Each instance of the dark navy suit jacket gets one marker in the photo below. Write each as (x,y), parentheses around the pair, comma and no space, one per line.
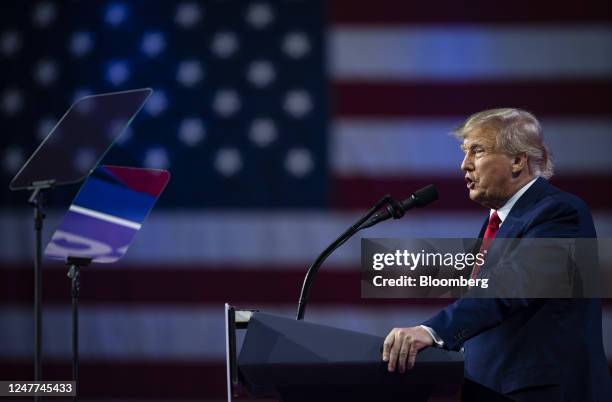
(513,344)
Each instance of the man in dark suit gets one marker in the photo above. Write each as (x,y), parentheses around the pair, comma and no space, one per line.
(516,349)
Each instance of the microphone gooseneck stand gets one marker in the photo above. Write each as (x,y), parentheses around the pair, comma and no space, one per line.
(394,209)
(312,270)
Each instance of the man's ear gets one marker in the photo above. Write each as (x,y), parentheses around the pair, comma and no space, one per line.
(519,162)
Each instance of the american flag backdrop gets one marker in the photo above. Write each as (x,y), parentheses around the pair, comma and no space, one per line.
(280,122)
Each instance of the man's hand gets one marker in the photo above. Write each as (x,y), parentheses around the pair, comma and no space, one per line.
(403,344)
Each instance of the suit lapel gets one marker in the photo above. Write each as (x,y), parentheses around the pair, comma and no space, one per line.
(515,217)
(514,220)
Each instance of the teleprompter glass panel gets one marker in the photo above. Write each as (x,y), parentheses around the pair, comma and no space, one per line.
(80,139)
(107,213)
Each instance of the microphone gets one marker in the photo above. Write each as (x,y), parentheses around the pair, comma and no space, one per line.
(396,210)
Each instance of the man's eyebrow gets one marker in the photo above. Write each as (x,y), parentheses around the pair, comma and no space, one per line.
(471,146)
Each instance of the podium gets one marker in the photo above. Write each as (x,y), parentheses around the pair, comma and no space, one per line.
(296,360)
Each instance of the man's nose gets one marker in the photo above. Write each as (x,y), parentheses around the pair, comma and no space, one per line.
(466,164)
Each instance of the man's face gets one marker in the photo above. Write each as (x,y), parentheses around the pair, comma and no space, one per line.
(488,172)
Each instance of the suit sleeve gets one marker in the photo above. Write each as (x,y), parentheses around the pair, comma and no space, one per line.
(468,317)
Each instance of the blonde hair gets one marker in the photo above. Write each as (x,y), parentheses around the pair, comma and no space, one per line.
(516,132)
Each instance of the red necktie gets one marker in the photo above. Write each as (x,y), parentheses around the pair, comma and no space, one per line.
(487,239)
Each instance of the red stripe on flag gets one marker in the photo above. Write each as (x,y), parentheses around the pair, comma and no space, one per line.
(362,192)
(145,380)
(254,286)
(435,99)
(196,285)
(167,380)
(387,12)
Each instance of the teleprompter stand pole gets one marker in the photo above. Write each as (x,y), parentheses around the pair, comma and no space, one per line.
(37,201)
(74,263)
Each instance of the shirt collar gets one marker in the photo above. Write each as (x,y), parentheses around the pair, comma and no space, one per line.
(505,210)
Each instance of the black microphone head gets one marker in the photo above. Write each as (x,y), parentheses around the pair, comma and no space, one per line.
(425,195)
